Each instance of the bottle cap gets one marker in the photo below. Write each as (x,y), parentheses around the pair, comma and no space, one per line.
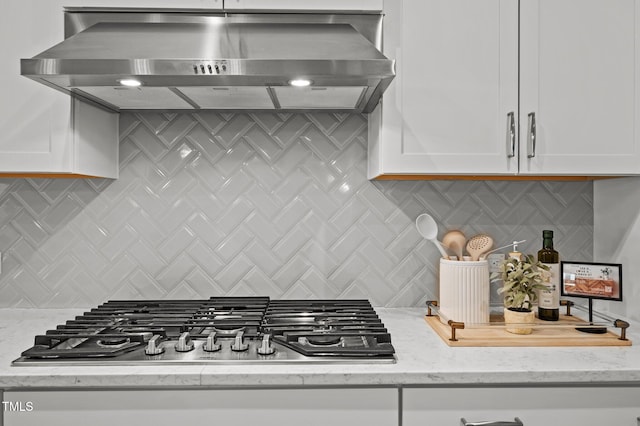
(547,234)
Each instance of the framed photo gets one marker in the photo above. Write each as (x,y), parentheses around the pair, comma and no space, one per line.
(592,280)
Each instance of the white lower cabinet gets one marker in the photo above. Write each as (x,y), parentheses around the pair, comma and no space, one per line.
(324,5)
(438,406)
(539,406)
(263,407)
(168,4)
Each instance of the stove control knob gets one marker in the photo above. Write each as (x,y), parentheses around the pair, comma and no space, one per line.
(153,346)
(239,345)
(211,345)
(184,343)
(266,348)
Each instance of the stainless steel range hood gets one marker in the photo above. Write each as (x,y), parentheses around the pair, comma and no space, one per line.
(236,62)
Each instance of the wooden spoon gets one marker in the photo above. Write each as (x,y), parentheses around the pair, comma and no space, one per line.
(454,241)
(479,245)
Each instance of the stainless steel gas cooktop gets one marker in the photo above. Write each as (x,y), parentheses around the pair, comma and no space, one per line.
(218,330)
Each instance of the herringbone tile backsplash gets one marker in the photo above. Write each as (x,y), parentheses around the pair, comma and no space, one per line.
(213,204)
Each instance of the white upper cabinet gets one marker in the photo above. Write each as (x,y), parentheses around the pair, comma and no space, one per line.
(579,75)
(37,131)
(467,84)
(41,130)
(324,5)
(446,111)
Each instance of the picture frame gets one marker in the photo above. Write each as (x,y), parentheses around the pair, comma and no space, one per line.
(591,280)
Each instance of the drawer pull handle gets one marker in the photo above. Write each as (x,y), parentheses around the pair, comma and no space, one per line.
(515,422)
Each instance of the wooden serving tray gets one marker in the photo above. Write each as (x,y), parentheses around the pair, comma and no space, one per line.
(561,333)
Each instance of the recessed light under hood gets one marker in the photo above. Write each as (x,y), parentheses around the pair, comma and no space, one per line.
(219,62)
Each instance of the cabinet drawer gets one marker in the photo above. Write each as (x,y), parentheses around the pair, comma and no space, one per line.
(327,5)
(266,407)
(540,406)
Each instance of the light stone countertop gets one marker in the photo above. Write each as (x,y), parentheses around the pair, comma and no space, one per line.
(422,359)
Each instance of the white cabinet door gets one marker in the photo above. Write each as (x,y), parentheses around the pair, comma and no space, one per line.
(580,75)
(35,121)
(164,4)
(447,110)
(327,5)
(268,407)
(568,406)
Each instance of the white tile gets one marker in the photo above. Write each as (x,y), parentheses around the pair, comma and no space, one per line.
(347,272)
(205,230)
(120,241)
(348,243)
(147,257)
(175,272)
(205,258)
(233,216)
(233,272)
(291,243)
(233,244)
(291,272)
(175,243)
(115,276)
(262,229)
(146,286)
(262,257)
(260,203)
(202,284)
(30,228)
(234,187)
(57,244)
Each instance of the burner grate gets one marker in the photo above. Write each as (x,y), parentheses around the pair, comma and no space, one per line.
(120,329)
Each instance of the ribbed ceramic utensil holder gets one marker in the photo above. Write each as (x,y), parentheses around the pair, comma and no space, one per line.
(464,291)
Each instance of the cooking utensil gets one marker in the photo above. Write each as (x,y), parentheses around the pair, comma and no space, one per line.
(454,241)
(428,228)
(478,245)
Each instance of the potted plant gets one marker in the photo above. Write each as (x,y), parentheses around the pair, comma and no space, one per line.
(522,278)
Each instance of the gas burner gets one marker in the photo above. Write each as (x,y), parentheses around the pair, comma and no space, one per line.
(320,340)
(221,331)
(113,342)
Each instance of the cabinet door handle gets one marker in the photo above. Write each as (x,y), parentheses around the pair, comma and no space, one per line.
(511,135)
(531,139)
(515,422)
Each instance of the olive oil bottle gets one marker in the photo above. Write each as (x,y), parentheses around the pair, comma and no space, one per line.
(549,299)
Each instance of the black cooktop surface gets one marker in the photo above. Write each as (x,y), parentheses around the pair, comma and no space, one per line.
(219,329)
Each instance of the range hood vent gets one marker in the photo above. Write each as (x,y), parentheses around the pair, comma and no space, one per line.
(228,62)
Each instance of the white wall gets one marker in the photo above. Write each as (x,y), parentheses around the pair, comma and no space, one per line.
(616,239)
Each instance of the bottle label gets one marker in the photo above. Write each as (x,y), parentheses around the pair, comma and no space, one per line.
(550,298)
